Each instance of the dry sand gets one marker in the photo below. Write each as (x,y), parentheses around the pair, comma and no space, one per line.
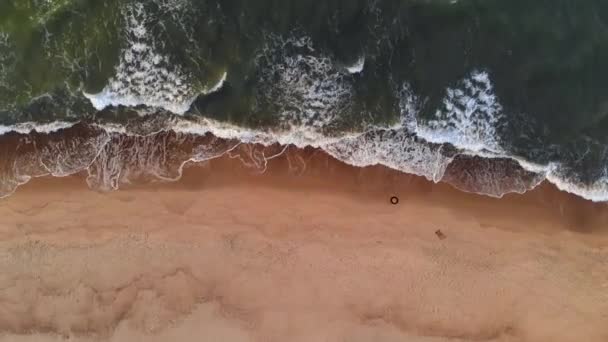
(227,256)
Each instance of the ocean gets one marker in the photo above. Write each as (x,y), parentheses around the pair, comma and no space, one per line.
(493,97)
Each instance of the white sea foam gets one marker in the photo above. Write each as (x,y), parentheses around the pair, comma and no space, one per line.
(468,118)
(59,157)
(398,150)
(596,192)
(29,127)
(218,85)
(297,137)
(308,88)
(51,127)
(145,76)
(357,67)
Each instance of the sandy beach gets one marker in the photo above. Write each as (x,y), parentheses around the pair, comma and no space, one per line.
(228,255)
(303,171)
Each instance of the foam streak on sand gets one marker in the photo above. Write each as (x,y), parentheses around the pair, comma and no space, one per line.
(393,147)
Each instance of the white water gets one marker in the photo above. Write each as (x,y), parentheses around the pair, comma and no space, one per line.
(396,149)
(29,127)
(308,89)
(144,76)
(357,67)
(315,92)
(469,117)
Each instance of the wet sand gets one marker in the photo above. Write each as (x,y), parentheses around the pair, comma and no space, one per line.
(227,255)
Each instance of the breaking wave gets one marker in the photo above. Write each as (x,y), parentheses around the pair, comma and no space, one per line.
(145,75)
(307,91)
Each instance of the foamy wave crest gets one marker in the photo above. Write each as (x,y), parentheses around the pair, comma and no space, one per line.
(397,149)
(556,174)
(306,89)
(596,192)
(357,67)
(160,156)
(468,118)
(145,76)
(29,127)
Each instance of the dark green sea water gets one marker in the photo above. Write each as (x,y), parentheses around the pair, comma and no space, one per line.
(410,84)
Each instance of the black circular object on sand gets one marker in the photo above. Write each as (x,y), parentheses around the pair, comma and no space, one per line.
(394,200)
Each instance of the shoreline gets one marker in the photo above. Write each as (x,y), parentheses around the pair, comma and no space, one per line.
(505,174)
(315,170)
